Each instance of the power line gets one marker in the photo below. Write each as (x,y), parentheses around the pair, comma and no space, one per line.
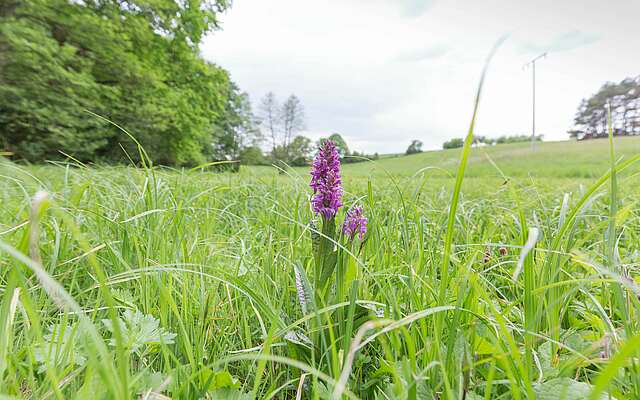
(532,64)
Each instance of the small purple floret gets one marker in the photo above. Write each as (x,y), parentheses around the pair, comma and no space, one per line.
(354,223)
(325,181)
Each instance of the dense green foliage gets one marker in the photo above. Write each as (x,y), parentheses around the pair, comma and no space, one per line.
(136,63)
(359,157)
(504,139)
(511,139)
(300,151)
(200,270)
(624,98)
(253,155)
(341,144)
(454,143)
(297,153)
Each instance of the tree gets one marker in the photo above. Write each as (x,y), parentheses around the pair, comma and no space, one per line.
(270,118)
(512,139)
(591,117)
(136,63)
(357,157)
(235,129)
(299,151)
(341,144)
(477,139)
(246,130)
(414,147)
(281,123)
(252,155)
(292,117)
(453,143)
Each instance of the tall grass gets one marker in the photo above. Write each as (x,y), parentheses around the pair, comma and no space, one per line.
(150,283)
(212,258)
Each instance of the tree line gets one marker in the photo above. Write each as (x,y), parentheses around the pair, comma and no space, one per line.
(75,74)
(477,140)
(623,98)
(278,130)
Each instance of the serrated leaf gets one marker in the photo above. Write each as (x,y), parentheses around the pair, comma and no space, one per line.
(60,348)
(139,330)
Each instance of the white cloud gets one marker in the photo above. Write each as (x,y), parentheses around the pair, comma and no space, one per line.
(384,72)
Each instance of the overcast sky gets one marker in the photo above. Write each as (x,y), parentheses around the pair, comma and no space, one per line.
(383,72)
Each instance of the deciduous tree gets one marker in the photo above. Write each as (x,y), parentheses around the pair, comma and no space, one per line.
(453,143)
(269,115)
(414,147)
(292,117)
(300,151)
(136,63)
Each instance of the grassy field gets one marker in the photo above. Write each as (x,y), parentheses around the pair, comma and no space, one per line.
(567,159)
(126,283)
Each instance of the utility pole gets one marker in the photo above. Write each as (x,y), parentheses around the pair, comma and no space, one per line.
(532,64)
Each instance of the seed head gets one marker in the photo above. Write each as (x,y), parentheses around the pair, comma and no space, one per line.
(487,255)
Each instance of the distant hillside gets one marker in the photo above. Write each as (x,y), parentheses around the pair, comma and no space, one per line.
(568,159)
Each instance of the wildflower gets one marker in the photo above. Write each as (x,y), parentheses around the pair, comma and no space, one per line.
(326,181)
(354,223)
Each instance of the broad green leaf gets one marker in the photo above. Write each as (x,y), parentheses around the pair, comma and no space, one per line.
(565,389)
(139,330)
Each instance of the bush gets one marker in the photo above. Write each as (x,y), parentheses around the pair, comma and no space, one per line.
(252,156)
(415,147)
(356,157)
(453,143)
(514,139)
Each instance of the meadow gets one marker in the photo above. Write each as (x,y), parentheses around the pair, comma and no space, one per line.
(518,282)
